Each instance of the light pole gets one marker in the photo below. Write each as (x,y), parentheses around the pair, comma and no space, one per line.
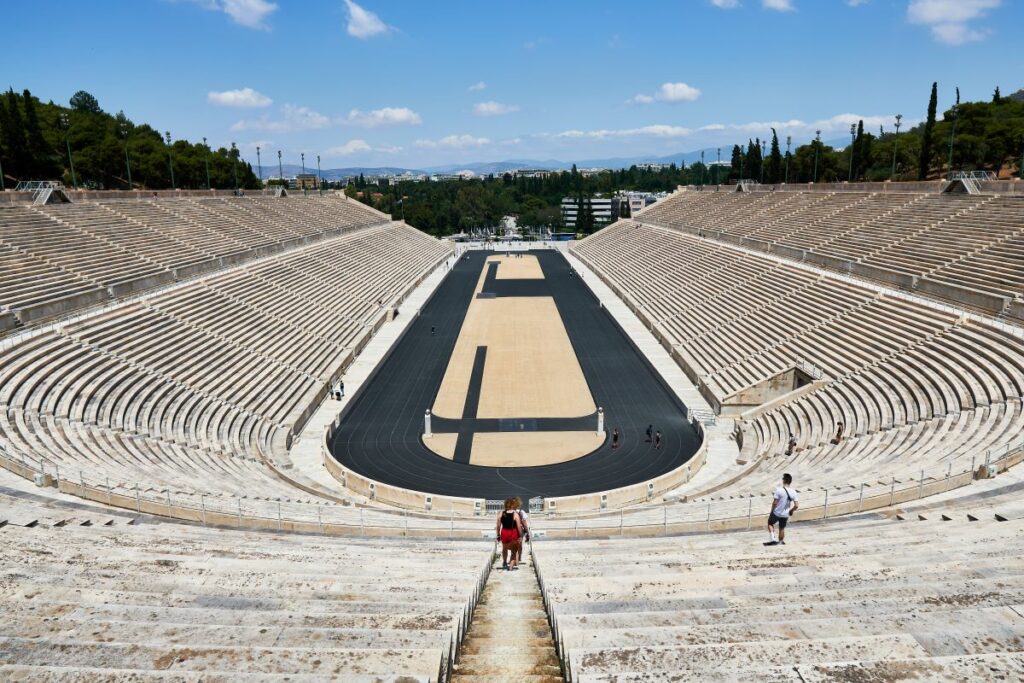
(702,168)
(895,146)
(763,147)
(259,165)
(65,123)
(170,158)
(952,138)
(234,164)
(789,141)
(280,172)
(3,187)
(718,165)
(741,165)
(853,140)
(127,161)
(817,148)
(319,180)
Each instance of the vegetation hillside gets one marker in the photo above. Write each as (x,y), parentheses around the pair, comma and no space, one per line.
(35,139)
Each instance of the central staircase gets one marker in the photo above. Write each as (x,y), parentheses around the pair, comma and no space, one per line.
(509,639)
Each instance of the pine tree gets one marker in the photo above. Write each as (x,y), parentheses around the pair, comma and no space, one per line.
(996,97)
(925,163)
(737,161)
(774,174)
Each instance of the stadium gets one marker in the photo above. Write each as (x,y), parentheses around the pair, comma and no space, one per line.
(270,433)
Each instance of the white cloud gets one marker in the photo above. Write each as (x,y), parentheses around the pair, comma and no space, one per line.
(856,3)
(669,92)
(248,13)
(778,5)
(957,34)
(479,85)
(349,148)
(726,4)
(358,146)
(728,132)
(948,19)
(493,108)
(656,130)
(294,118)
(245,97)
(388,116)
(454,142)
(363,23)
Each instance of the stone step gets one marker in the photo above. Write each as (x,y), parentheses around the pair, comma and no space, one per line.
(507,678)
(61,674)
(324,660)
(980,667)
(160,633)
(693,660)
(999,622)
(523,663)
(537,627)
(499,647)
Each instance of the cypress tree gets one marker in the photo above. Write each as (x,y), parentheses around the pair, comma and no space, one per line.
(40,155)
(17,157)
(737,161)
(774,174)
(996,97)
(925,163)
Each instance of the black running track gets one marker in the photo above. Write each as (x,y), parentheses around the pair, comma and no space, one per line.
(380,432)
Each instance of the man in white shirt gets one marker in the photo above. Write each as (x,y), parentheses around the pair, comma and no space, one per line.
(784,504)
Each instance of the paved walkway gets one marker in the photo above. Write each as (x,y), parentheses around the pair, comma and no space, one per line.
(722,448)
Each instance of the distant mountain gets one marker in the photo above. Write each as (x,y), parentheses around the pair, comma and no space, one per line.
(483,168)
(289,170)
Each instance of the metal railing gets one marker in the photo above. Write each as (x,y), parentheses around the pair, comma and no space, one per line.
(328,518)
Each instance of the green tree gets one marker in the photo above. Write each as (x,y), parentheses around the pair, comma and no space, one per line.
(774,174)
(736,163)
(925,163)
(83,101)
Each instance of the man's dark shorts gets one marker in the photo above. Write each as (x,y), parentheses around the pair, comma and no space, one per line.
(775,519)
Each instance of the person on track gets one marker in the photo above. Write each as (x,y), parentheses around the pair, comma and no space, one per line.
(615,438)
(784,504)
(657,438)
(509,530)
(650,433)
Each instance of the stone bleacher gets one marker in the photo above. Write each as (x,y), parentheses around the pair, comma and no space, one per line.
(196,390)
(56,259)
(90,597)
(917,388)
(962,248)
(936,596)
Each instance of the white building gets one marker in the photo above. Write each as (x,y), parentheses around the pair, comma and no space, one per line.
(600,207)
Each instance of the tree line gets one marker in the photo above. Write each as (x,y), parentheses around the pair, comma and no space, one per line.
(84,146)
(970,136)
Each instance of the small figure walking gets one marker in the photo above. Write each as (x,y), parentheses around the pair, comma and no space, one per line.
(784,504)
(657,439)
(615,438)
(432,330)
(650,433)
(791,446)
(508,531)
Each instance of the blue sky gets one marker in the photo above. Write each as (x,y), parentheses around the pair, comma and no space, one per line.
(405,83)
